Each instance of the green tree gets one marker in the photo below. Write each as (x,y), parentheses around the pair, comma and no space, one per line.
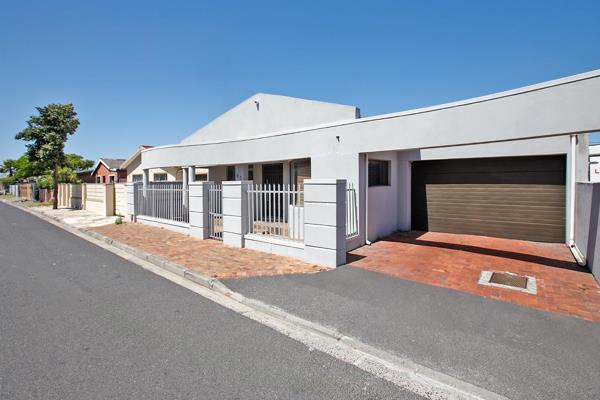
(24,168)
(8,167)
(46,134)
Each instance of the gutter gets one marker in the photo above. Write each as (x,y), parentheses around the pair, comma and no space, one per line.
(577,254)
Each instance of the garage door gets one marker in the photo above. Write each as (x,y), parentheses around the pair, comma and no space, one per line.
(510,197)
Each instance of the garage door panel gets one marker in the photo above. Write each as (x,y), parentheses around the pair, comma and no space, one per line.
(541,232)
(502,213)
(513,197)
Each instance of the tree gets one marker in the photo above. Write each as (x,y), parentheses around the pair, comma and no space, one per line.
(46,135)
(8,167)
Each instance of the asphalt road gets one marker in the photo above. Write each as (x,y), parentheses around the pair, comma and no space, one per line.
(521,353)
(77,322)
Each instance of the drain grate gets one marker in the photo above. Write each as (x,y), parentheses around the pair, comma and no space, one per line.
(502,278)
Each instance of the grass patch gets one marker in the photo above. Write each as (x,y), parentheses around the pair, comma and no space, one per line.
(6,196)
(29,203)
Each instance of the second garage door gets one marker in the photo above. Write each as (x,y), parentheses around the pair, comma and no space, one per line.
(510,197)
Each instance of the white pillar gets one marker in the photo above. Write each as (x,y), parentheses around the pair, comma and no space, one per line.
(146,180)
(325,221)
(192,174)
(235,212)
(129,199)
(185,187)
(198,204)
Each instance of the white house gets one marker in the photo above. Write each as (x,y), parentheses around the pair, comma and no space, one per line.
(133,166)
(499,165)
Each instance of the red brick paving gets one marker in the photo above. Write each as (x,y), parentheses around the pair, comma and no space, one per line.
(456,261)
(209,257)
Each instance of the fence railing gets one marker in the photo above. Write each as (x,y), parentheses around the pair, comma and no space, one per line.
(161,200)
(351,212)
(215,211)
(276,211)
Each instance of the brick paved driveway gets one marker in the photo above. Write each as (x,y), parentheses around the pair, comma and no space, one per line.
(209,257)
(456,261)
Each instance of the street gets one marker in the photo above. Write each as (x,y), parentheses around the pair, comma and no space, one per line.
(78,322)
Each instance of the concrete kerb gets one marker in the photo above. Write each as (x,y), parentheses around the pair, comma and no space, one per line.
(402,372)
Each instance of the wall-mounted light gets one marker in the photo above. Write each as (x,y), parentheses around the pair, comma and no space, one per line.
(257,102)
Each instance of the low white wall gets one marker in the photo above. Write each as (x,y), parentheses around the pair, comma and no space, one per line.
(100,198)
(179,227)
(280,247)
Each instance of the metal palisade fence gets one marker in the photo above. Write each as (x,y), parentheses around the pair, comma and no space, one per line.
(215,211)
(276,211)
(164,200)
(351,211)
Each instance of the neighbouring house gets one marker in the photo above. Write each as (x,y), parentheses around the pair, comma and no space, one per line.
(133,165)
(85,176)
(503,165)
(594,163)
(108,170)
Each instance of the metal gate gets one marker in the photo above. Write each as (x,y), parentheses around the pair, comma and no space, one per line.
(215,212)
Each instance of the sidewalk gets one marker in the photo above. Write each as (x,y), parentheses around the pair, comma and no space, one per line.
(519,352)
(209,257)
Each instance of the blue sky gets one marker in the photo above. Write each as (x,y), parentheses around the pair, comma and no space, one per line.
(153,72)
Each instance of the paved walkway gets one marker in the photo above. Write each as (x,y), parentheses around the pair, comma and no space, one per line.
(456,262)
(209,257)
(77,218)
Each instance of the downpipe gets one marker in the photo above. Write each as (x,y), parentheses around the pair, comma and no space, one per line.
(579,257)
(367,242)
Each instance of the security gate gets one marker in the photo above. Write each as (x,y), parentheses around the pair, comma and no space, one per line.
(215,212)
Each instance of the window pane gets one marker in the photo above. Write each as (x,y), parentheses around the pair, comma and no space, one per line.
(379,173)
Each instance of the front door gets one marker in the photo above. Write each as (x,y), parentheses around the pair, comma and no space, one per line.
(272,174)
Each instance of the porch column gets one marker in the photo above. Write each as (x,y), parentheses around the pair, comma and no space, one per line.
(192,174)
(185,187)
(146,180)
(235,212)
(325,221)
(199,209)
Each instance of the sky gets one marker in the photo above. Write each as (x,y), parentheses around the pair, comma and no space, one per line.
(152,72)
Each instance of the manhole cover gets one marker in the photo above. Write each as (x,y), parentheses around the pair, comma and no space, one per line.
(502,278)
(508,280)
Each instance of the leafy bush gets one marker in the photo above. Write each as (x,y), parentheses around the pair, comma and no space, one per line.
(119,220)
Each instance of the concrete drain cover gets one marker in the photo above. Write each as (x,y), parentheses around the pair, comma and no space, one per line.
(508,280)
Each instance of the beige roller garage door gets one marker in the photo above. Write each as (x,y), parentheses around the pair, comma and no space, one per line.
(510,197)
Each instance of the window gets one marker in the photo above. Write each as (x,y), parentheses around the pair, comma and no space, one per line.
(250,172)
(98,179)
(379,173)
(160,177)
(231,172)
(137,178)
(200,177)
(111,179)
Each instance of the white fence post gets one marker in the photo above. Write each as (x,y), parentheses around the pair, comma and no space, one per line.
(130,207)
(198,193)
(235,209)
(325,221)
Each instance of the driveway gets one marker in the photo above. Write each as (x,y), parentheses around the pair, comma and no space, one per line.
(517,351)
(456,262)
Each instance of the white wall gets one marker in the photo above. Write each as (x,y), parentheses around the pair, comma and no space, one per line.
(383,200)
(272,113)
(552,108)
